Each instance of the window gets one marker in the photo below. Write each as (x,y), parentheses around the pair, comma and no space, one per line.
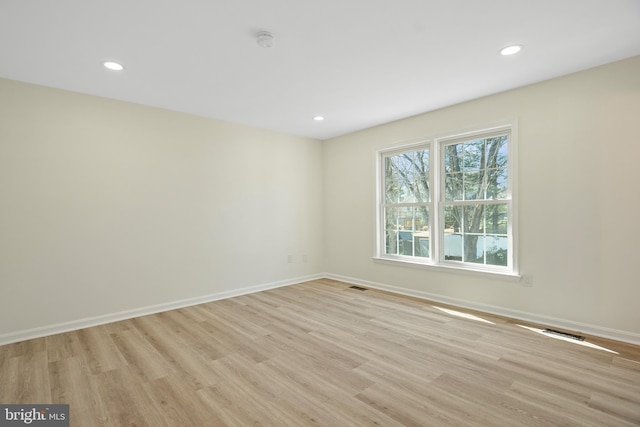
(449,202)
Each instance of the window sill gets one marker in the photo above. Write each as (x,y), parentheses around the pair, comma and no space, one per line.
(505,276)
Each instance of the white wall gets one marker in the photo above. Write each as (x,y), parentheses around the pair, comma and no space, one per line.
(578,172)
(107,206)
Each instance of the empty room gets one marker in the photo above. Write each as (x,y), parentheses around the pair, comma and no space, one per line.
(345,213)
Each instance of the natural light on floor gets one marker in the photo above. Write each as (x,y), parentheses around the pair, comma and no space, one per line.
(573,341)
(465,315)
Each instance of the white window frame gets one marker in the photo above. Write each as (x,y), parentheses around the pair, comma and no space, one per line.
(436,145)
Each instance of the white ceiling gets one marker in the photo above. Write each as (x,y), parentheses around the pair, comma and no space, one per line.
(358,62)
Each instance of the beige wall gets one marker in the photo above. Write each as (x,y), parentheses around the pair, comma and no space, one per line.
(107,206)
(578,172)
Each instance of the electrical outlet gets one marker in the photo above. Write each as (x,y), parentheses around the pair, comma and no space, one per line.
(290,259)
(527,281)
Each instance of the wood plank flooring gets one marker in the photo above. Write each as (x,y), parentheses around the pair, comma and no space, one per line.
(322,354)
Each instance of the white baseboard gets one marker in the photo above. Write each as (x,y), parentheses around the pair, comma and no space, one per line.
(143,311)
(594,330)
(583,328)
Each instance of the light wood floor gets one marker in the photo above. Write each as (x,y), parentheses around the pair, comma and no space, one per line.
(319,353)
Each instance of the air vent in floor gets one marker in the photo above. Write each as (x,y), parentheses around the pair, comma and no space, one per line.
(564,334)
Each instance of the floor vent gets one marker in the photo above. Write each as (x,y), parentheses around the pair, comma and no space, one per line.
(564,334)
(357,288)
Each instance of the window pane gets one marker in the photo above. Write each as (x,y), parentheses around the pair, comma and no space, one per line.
(389,170)
(453,158)
(391,181)
(496,250)
(405,218)
(391,191)
(399,226)
(453,186)
(407,177)
(497,167)
(496,184)
(404,230)
(473,154)
(453,247)
(391,227)
(452,233)
(496,219)
(496,151)
(473,219)
(452,219)
(472,181)
(406,190)
(419,175)
(473,248)
(421,233)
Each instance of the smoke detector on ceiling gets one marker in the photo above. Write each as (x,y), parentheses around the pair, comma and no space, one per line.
(264,39)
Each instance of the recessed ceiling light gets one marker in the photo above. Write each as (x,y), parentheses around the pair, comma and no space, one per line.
(113,66)
(318,118)
(510,50)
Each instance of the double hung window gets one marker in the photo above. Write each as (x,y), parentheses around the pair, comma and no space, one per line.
(449,202)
